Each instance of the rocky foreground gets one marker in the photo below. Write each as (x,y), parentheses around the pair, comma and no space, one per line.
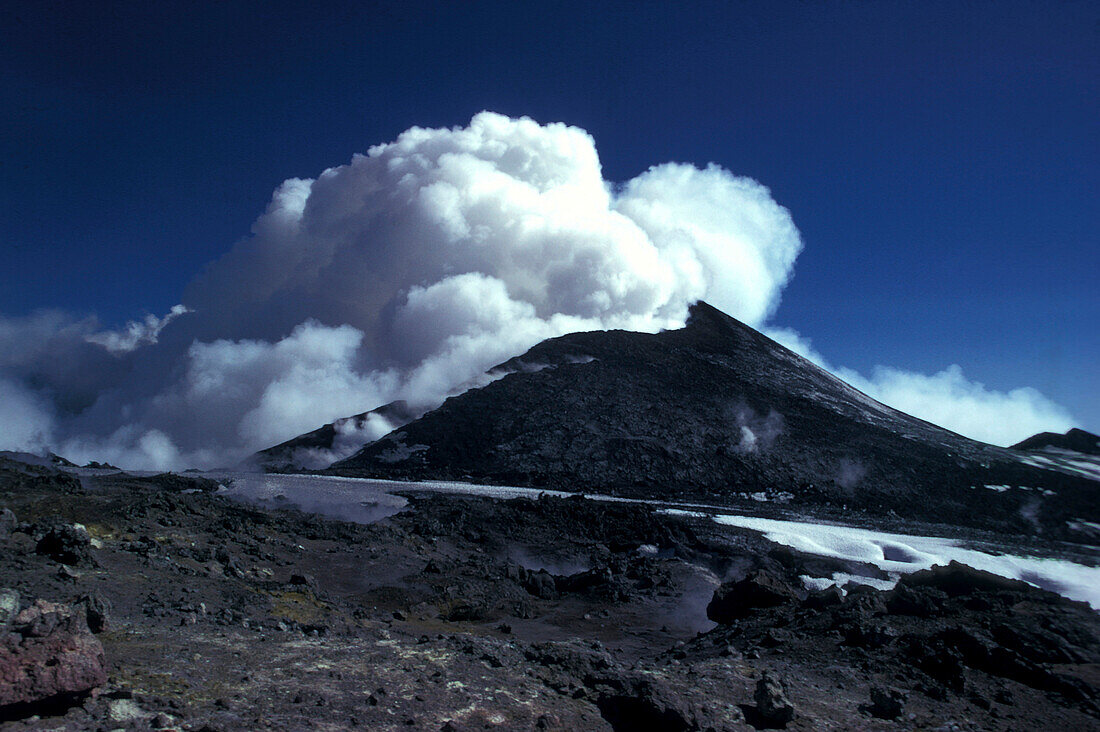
(138,603)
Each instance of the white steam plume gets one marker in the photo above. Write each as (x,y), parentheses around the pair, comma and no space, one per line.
(407,273)
(137,333)
(401,275)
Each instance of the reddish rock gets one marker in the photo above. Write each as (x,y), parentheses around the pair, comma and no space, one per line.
(47,654)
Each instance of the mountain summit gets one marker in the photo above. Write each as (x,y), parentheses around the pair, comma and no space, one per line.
(1076,440)
(715,411)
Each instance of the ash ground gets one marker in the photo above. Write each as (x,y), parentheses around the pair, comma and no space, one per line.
(473,613)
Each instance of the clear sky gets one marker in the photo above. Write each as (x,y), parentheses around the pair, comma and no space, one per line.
(940,159)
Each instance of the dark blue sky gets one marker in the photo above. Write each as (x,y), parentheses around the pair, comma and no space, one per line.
(940,159)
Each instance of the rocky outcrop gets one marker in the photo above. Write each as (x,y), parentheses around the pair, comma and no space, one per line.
(65,543)
(760,589)
(48,658)
(958,629)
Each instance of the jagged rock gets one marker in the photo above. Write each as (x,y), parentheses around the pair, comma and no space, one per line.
(869,635)
(303,580)
(575,661)
(229,563)
(161,721)
(772,704)
(540,584)
(1074,439)
(97,611)
(1043,645)
(958,579)
(760,589)
(100,466)
(646,703)
(921,602)
(65,543)
(828,597)
(887,702)
(49,658)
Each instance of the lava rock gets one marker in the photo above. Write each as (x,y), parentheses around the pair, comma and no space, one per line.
(957,579)
(540,584)
(828,597)
(51,656)
(97,611)
(921,602)
(772,704)
(303,580)
(66,543)
(647,704)
(761,589)
(887,702)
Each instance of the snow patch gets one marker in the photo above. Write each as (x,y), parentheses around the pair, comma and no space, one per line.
(900,554)
(1074,463)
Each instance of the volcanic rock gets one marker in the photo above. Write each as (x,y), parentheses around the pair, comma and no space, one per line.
(761,589)
(65,543)
(772,705)
(957,579)
(887,702)
(48,657)
(97,611)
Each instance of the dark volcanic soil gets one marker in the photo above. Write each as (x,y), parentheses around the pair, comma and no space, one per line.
(465,613)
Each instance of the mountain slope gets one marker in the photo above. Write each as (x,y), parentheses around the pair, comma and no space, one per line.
(334,440)
(715,411)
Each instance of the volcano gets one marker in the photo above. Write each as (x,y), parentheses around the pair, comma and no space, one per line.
(718,412)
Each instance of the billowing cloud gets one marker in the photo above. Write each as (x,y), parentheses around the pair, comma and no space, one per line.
(26,418)
(947,398)
(454,232)
(951,400)
(403,274)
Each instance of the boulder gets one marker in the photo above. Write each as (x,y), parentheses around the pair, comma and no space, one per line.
(97,611)
(957,579)
(65,543)
(887,702)
(49,658)
(772,705)
(760,589)
(826,598)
